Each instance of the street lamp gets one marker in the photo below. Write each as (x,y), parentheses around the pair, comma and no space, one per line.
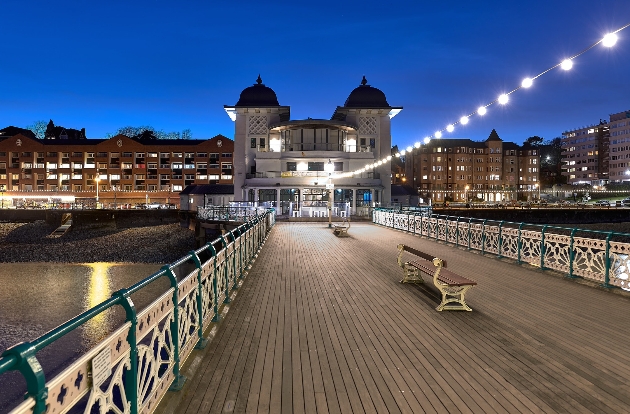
(329,168)
(537,186)
(466,193)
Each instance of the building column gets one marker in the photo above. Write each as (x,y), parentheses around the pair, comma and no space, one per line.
(256,197)
(353,207)
(371,197)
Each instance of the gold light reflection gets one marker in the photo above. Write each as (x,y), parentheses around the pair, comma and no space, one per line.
(99,290)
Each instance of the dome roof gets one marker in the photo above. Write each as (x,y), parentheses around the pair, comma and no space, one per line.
(366,96)
(258,95)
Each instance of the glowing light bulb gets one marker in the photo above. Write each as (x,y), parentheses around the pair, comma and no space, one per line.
(426,140)
(402,153)
(463,120)
(527,82)
(482,110)
(417,145)
(503,99)
(389,158)
(609,40)
(438,134)
(450,128)
(566,64)
(409,149)
(397,154)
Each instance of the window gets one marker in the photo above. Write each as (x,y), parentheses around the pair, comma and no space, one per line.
(177,188)
(253,143)
(316,166)
(262,142)
(126,155)
(202,154)
(227,155)
(177,155)
(153,155)
(338,166)
(291,166)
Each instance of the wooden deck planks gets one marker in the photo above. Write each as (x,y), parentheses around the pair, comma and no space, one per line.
(321,324)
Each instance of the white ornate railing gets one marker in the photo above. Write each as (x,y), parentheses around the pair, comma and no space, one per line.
(603,258)
(132,369)
(230,213)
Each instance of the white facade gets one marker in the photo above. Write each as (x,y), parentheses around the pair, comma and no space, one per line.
(284,162)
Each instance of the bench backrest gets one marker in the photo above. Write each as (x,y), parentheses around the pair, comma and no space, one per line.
(420,254)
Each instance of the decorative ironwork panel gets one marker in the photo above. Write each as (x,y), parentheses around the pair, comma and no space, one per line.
(557,252)
(475,235)
(258,125)
(73,384)
(509,243)
(207,292)
(589,258)
(367,125)
(491,242)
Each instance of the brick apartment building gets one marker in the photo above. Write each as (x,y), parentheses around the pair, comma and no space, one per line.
(462,169)
(126,170)
(598,154)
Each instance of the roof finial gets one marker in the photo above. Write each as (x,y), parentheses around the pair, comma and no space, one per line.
(259,81)
(364,81)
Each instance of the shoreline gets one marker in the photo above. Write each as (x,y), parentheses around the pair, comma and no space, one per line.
(31,242)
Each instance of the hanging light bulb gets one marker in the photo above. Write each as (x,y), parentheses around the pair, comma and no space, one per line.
(450,128)
(609,40)
(463,120)
(503,99)
(417,145)
(438,134)
(566,64)
(527,82)
(482,110)
(409,149)
(427,140)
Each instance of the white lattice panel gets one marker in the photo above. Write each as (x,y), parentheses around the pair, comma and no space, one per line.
(367,125)
(258,125)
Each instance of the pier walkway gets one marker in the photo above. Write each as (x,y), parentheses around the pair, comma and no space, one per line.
(321,324)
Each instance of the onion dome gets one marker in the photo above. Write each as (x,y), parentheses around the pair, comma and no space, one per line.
(258,95)
(366,96)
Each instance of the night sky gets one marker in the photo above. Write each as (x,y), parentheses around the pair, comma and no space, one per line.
(174,64)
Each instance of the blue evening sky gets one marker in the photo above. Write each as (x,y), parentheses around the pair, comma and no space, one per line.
(174,64)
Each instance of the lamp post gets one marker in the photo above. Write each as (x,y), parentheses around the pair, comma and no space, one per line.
(329,168)
(537,186)
(466,193)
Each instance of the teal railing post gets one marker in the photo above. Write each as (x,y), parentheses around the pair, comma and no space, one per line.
(542,247)
(215,283)
(571,255)
(446,230)
(457,232)
(131,378)
(234,277)
(26,362)
(483,236)
(178,381)
(435,227)
(408,231)
(241,247)
(607,263)
(469,225)
(201,343)
(519,243)
(225,272)
(500,243)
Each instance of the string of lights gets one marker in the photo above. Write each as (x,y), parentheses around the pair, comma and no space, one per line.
(609,40)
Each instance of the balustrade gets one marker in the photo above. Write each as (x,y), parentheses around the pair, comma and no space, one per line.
(132,369)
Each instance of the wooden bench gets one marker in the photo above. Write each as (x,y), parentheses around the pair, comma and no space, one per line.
(452,286)
(341,230)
